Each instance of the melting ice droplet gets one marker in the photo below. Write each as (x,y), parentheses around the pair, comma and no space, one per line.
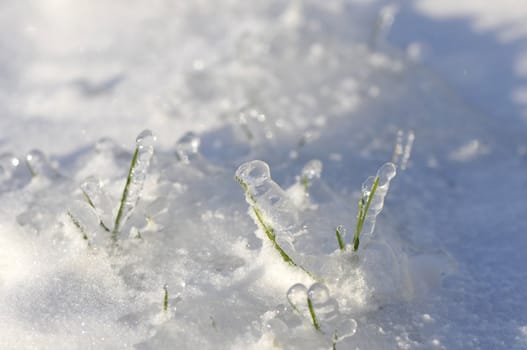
(136,177)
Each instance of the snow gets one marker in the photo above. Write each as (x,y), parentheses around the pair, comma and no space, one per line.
(299,101)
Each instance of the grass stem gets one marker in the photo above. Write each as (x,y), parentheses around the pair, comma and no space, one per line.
(313,315)
(124,197)
(269,231)
(340,241)
(165,299)
(363,211)
(78,225)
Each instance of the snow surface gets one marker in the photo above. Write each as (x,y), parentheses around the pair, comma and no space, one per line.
(317,90)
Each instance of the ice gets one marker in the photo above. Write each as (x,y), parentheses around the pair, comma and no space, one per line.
(311,171)
(297,297)
(267,196)
(334,325)
(346,328)
(12,173)
(384,21)
(187,147)
(97,198)
(403,148)
(326,308)
(8,165)
(86,221)
(304,86)
(39,165)
(385,174)
(136,177)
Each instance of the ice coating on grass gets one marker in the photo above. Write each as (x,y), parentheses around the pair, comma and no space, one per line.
(332,323)
(96,196)
(38,165)
(383,23)
(8,164)
(345,328)
(187,147)
(297,297)
(85,220)
(326,307)
(253,124)
(136,177)
(385,174)
(267,196)
(312,170)
(403,148)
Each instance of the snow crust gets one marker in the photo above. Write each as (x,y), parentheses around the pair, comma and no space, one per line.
(299,101)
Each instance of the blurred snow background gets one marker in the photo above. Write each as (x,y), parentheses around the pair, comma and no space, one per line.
(326,77)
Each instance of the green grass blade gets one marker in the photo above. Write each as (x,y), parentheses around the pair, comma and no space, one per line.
(165,299)
(78,225)
(339,238)
(124,197)
(269,231)
(363,211)
(312,313)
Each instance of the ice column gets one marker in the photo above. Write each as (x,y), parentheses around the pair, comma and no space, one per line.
(187,147)
(267,196)
(385,173)
(136,177)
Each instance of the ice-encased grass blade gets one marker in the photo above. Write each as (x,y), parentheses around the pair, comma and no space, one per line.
(374,191)
(136,176)
(267,228)
(340,240)
(313,315)
(78,225)
(165,298)
(363,211)
(94,194)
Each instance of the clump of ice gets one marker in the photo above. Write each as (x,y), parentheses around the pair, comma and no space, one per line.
(385,174)
(267,196)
